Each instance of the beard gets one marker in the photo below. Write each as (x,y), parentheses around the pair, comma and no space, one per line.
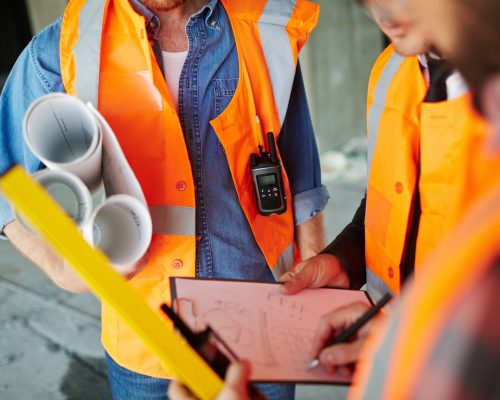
(162,5)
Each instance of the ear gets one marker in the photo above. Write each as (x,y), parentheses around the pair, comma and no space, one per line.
(490,99)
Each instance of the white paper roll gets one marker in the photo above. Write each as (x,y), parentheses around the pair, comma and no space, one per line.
(63,133)
(121,227)
(69,192)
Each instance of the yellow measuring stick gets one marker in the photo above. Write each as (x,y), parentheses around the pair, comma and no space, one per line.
(52,224)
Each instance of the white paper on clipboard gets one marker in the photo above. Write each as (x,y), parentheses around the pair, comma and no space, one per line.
(259,323)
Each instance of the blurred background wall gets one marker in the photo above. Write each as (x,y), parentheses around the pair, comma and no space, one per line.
(43,12)
(19,20)
(337,61)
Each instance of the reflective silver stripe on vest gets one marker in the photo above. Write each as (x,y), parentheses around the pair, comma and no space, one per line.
(376,287)
(277,50)
(173,220)
(377,108)
(377,380)
(88,50)
(284,263)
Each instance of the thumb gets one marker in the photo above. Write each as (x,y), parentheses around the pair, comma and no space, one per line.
(236,381)
(287,277)
(298,282)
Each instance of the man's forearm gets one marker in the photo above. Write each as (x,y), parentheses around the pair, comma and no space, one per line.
(35,250)
(310,236)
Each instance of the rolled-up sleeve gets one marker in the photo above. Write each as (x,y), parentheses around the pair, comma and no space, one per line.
(300,156)
(307,204)
(35,73)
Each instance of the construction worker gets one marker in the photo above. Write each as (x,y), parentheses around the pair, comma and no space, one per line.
(421,132)
(444,340)
(189,88)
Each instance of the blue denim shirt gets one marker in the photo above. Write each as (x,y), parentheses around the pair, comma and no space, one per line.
(226,246)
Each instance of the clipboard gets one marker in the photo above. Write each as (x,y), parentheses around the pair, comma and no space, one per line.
(258,323)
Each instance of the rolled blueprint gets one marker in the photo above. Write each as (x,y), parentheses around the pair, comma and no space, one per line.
(69,192)
(67,135)
(62,132)
(121,227)
(117,175)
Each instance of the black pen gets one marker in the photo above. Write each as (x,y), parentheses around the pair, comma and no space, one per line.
(353,328)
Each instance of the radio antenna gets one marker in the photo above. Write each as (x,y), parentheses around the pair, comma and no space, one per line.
(271,144)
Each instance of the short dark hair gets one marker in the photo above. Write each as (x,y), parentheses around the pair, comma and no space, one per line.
(478,51)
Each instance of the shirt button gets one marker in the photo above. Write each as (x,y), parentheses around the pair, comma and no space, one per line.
(180,186)
(178,263)
(391,272)
(398,187)
(213,23)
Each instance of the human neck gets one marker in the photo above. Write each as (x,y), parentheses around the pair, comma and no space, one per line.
(172,33)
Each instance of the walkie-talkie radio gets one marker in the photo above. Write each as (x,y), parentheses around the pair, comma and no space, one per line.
(267,178)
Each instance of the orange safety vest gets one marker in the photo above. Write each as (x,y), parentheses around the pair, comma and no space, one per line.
(395,359)
(403,131)
(106,59)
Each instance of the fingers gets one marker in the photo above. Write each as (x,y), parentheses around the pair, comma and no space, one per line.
(318,271)
(335,322)
(236,382)
(298,281)
(287,276)
(177,391)
(238,374)
(235,385)
(291,275)
(342,354)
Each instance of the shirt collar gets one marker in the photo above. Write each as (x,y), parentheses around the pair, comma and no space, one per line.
(422,58)
(211,18)
(455,83)
(153,22)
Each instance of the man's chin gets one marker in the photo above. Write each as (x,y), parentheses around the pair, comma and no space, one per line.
(163,5)
(408,48)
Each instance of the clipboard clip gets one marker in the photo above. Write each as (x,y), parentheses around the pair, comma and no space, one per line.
(207,343)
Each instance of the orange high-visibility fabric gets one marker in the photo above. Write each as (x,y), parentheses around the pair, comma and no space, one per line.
(134,99)
(455,267)
(461,259)
(236,133)
(437,133)
(462,262)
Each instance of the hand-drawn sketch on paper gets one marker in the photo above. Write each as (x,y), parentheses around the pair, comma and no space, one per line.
(273,331)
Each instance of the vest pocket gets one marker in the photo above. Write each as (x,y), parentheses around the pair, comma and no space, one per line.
(378,212)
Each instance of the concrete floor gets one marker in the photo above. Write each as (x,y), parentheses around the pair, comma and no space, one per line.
(49,339)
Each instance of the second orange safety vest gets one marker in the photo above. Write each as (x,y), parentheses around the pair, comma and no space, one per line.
(405,134)
(106,59)
(396,357)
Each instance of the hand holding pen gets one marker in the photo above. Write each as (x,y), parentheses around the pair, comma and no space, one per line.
(330,346)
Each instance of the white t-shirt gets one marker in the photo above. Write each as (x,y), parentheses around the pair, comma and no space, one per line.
(172,65)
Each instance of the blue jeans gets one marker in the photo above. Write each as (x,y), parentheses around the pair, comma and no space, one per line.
(129,385)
